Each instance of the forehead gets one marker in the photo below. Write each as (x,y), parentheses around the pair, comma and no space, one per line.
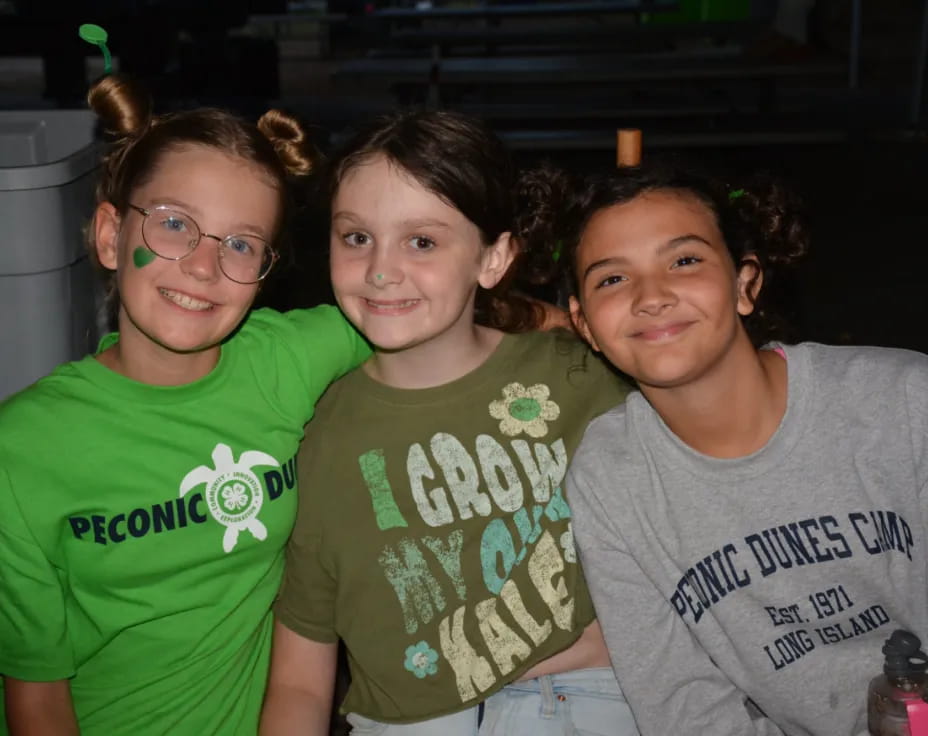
(377,171)
(652,213)
(655,216)
(192,165)
(380,187)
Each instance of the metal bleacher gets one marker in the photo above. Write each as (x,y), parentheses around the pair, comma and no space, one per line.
(566,74)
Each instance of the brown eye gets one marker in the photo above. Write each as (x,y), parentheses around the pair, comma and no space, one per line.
(422,243)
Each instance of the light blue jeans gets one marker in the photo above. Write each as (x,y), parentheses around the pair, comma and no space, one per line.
(579,703)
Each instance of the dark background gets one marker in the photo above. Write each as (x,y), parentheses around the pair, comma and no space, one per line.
(718,81)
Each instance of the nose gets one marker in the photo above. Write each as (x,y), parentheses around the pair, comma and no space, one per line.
(203,263)
(382,268)
(653,296)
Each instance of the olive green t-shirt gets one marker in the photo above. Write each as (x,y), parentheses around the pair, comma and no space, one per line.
(433,535)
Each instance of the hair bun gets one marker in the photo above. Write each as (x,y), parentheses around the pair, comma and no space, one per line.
(290,141)
(122,104)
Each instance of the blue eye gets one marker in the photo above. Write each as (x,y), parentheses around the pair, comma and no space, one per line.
(240,246)
(174,224)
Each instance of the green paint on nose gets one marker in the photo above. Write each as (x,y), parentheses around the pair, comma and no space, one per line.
(141,257)
(525,410)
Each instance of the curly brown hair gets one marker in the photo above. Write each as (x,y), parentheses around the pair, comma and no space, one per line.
(759,219)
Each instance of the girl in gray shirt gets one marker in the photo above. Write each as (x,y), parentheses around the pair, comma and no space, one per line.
(752,520)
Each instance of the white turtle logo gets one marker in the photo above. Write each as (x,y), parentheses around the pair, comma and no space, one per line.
(234,494)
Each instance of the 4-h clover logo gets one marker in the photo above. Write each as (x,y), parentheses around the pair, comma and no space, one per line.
(234,494)
(524,410)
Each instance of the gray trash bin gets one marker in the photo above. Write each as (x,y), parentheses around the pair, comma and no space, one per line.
(50,298)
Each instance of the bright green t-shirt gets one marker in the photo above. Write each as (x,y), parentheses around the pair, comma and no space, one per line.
(142,528)
(433,535)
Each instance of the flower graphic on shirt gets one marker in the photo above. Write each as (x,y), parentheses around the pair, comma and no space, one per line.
(524,410)
(567,542)
(421,659)
(235,497)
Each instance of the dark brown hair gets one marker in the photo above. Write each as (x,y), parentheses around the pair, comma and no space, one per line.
(460,160)
(759,218)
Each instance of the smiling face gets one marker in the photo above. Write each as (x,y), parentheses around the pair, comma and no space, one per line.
(185,307)
(406,265)
(658,293)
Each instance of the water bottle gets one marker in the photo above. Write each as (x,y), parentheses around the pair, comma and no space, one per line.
(895,699)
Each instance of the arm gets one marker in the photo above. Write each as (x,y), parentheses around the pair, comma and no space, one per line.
(35,651)
(39,708)
(671,683)
(300,686)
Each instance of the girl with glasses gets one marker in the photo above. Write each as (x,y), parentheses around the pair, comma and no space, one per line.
(146,492)
(433,536)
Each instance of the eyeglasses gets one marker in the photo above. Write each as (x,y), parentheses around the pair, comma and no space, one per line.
(169,234)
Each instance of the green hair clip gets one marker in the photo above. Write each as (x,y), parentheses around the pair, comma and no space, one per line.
(735,194)
(96,35)
(556,254)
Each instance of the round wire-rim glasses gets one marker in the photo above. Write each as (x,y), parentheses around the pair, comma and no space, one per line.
(166,243)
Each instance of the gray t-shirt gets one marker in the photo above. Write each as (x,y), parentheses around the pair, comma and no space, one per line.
(774,577)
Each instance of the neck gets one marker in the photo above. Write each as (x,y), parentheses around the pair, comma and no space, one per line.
(436,362)
(142,360)
(734,409)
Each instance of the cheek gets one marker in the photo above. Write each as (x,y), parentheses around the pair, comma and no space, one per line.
(142,257)
(242,295)
(604,307)
(339,266)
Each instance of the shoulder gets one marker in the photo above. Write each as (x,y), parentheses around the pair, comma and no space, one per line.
(610,439)
(270,322)
(341,394)
(565,353)
(54,390)
(863,371)
(47,408)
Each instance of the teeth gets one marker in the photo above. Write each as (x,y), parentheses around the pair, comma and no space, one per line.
(393,305)
(187,302)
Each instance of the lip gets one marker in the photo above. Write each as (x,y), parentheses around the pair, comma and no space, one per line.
(658,333)
(390,307)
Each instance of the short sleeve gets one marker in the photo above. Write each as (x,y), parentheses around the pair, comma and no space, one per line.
(306,603)
(330,345)
(34,643)
(299,353)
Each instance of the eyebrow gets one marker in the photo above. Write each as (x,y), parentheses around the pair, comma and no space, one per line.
(663,248)
(238,228)
(411,223)
(426,222)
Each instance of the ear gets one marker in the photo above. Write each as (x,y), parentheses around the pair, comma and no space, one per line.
(580,323)
(495,261)
(106,223)
(749,283)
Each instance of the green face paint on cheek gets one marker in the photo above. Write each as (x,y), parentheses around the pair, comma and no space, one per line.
(141,257)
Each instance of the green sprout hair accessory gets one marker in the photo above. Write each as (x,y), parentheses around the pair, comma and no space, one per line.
(96,35)
(735,194)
